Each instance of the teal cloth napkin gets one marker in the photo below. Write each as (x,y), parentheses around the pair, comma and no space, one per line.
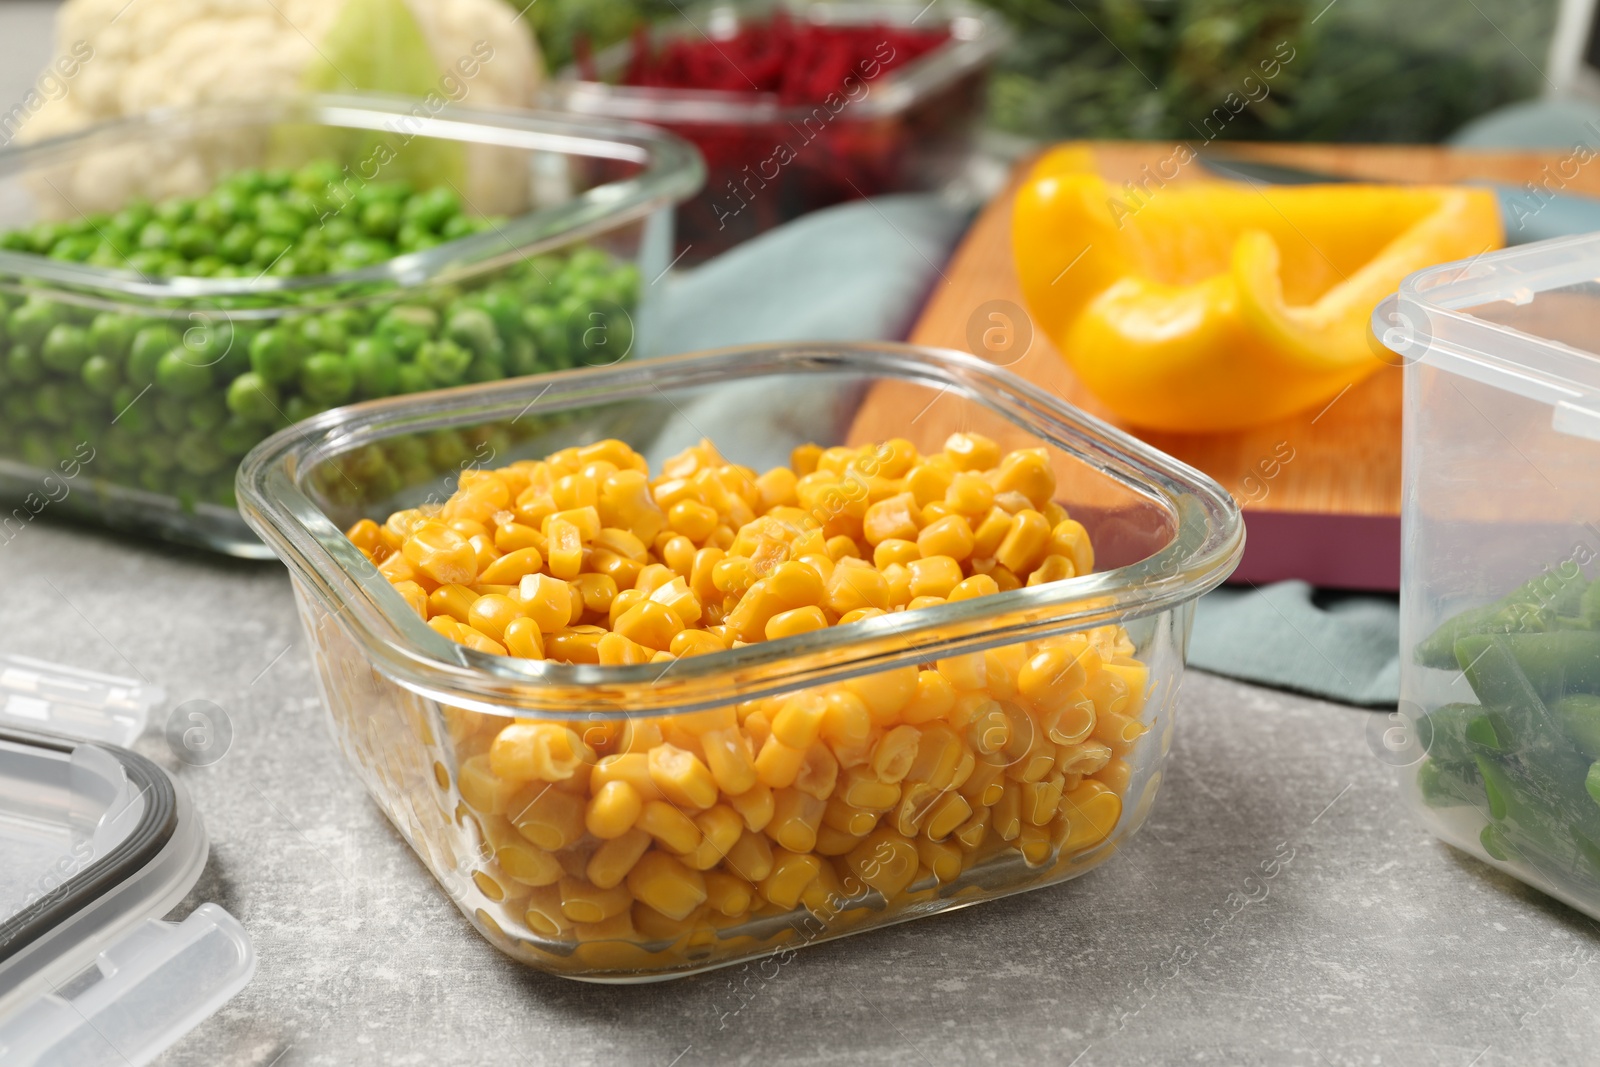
(1337,646)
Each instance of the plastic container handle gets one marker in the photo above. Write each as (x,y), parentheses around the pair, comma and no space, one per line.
(139,996)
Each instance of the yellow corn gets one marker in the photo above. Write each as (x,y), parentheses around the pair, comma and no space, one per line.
(441,553)
(651,624)
(795,819)
(862,788)
(549,817)
(613,810)
(666,885)
(790,875)
(610,863)
(523,639)
(682,777)
(1024,543)
(941,858)
(893,756)
(542,751)
(795,621)
(777,764)
(935,576)
(585,903)
(884,860)
(754,806)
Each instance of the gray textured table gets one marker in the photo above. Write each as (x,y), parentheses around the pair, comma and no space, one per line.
(1371,944)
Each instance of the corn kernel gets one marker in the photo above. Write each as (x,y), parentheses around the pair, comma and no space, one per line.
(586,903)
(670,826)
(819,772)
(546,600)
(894,518)
(564,548)
(630,767)
(790,875)
(549,817)
(441,553)
(849,819)
(885,692)
(928,482)
(681,777)
(543,914)
(894,551)
(575,644)
(1085,758)
(1091,811)
(862,788)
(971,451)
(1118,731)
(1034,844)
(895,753)
(1041,799)
(969,836)
(491,615)
(482,789)
(934,576)
(548,752)
(1007,814)
(795,819)
(1052,677)
(885,860)
(651,624)
(799,720)
(666,885)
(1071,722)
(454,601)
(727,894)
(1052,569)
(613,810)
(856,586)
(777,764)
(1070,539)
(754,806)
(942,859)
(527,865)
(1115,775)
(1136,676)
(611,862)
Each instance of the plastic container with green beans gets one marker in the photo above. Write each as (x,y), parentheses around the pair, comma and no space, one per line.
(1498,737)
(267,262)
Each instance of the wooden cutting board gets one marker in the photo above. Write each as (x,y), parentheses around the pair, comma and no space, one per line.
(1321,490)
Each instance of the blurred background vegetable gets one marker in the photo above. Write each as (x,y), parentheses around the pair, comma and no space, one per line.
(1363,70)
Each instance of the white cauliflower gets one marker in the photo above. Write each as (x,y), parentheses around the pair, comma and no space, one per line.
(160,53)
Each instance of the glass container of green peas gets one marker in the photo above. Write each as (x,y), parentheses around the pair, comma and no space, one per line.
(176,287)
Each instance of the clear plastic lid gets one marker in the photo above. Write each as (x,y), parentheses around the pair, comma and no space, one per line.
(95,843)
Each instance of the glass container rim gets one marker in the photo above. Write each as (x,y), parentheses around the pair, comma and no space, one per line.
(671,170)
(1206,543)
(985,36)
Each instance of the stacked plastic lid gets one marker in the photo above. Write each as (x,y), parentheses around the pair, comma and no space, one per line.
(96,843)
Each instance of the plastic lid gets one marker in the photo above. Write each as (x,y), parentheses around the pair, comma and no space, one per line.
(1483,318)
(35,695)
(97,842)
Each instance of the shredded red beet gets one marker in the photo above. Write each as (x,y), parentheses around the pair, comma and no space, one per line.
(800,62)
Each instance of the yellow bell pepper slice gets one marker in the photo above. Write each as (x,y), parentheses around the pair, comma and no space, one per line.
(1207,306)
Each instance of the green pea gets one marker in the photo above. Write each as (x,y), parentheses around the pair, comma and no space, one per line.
(485,369)
(111,335)
(269,248)
(360,252)
(50,404)
(172,267)
(107,255)
(175,212)
(407,327)
(194,240)
(16,241)
(505,308)
(238,436)
(279,220)
(18,407)
(458,226)
(29,323)
(315,176)
(474,330)
(444,362)
(176,376)
(132,409)
(549,334)
(432,209)
(410,236)
(275,356)
(254,399)
(157,453)
(380,219)
(521,357)
(102,375)
(324,332)
(327,378)
(76,248)
(207,412)
(410,378)
(337,230)
(172,413)
(375,366)
(65,348)
(310,260)
(298,408)
(151,262)
(238,243)
(206,266)
(121,447)
(150,343)
(22,365)
(155,236)
(214,213)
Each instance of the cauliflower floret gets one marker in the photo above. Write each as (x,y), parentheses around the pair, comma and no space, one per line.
(184,52)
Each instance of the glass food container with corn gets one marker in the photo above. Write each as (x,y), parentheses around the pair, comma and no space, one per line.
(665,714)
(176,287)
(1499,720)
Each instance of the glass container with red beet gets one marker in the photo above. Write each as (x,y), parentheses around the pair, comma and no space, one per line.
(799,106)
